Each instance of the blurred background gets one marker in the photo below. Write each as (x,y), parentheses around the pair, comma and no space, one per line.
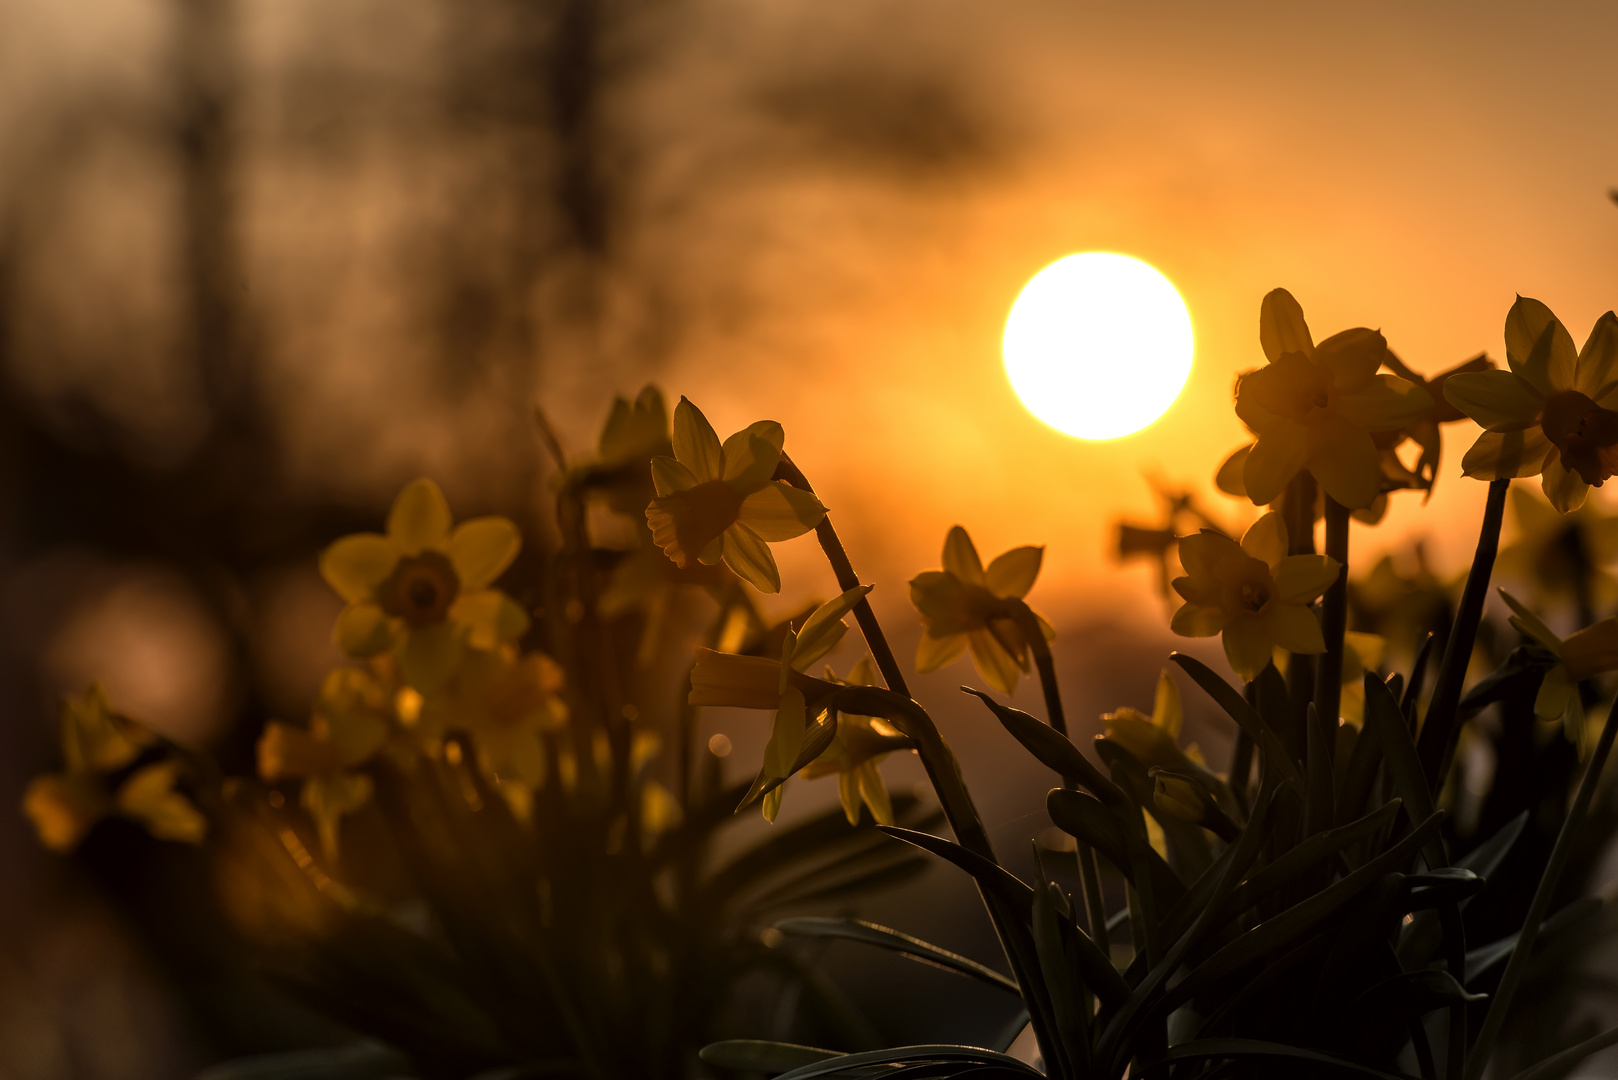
(263,261)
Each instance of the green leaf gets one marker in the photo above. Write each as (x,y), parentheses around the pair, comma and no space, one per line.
(815,742)
(1447,885)
(1387,723)
(1213,1049)
(1053,749)
(1486,858)
(762,1055)
(1484,957)
(1072,1027)
(1560,1064)
(1411,995)
(993,877)
(1308,855)
(885,938)
(911,1055)
(1237,708)
(1084,818)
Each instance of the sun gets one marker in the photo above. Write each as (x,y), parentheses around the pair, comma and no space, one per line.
(1098,345)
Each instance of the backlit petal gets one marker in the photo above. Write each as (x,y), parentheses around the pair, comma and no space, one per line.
(933,653)
(1202,551)
(491,617)
(420,517)
(1274,460)
(961,557)
(149,797)
(669,476)
(355,565)
(1294,628)
(1566,490)
(430,656)
(997,666)
(1230,479)
(745,682)
(1198,620)
(1551,701)
(1013,573)
(778,511)
(1266,539)
(62,809)
(874,792)
(1539,348)
(1353,355)
(481,549)
(1167,712)
(1281,328)
(1299,579)
(1497,400)
(363,630)
(1501,455)
(1593,650)
(825,627)
(941,598)
(1598,360)
(747,462)
(749,557)
(1347,466)
(696,444)
(1385,403)
(1247,646)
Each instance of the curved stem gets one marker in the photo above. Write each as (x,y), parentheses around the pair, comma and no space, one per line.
(1031,629)
(1517,966)
(1438,730)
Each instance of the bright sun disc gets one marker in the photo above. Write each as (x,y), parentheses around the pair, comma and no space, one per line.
(1098,345)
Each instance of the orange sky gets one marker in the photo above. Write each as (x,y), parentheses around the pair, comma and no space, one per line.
(1393,168)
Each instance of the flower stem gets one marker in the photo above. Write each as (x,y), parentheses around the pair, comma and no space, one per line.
(1028,623)
(1436,733)
(1333,622)
(1517,966)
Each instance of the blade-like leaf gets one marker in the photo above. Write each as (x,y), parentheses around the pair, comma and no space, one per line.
(1484,957)
(761,1055)
(902,1055)
(1308,855)
(1383,717)
(1246,717)
(1486,858)
(1411,995)
(1560,1064)
(886,938)
(1053,749)
(1207,1049)
(993,877)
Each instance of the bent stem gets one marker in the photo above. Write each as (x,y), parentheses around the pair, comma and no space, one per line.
(1028,623)
(1517,966)
(1437,732)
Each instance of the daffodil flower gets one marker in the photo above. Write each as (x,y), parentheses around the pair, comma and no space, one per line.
(424,587)
(754,682)
(965,606)
(507,703)
(96,742)
(718,502)
(1553,414)
(1588,652)
(351,722)
(1155,740)
(1253,594)
(1315,406)
(856,752)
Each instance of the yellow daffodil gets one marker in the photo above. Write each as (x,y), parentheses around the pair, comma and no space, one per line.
(965,606)
(351,721)
(856,752)
(1553,414)
(507,703)
(753,682)
(1155,740)
(96,742)
(423,588)
(1253,594)
(1588,652)
(718,502)
(1315,406)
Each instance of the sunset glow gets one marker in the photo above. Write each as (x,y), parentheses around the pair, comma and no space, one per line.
(1098,345)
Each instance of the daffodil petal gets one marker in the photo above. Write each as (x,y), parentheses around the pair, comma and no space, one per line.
(1347,466)
(149,797)
(363,630)
(1539,348)
(62,809)
(1565,489)
(1551,701)
(997,666)
(1274,460)
(285,751)
(1167,713)
(745,682)
(430,655)
(747,461)
(933,653)
(778,511)
(1353,355)
(874,792)
(1294,628)
(1385,403)
(419,518)
(1202,551)
(1012,574)
(696,444)
(1231,476)
(1501,455)
(1497,400)
(749,557)
(1247,646)
(491,617)
(1266,539)
(848,794)
(1593,650)
(942,600)
(1281,326)
(328,799)
(1598,358)
(1198,620)
(961,557)
(481,549)
(825,627)
(356,565)
(669,476)
(1299,579)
